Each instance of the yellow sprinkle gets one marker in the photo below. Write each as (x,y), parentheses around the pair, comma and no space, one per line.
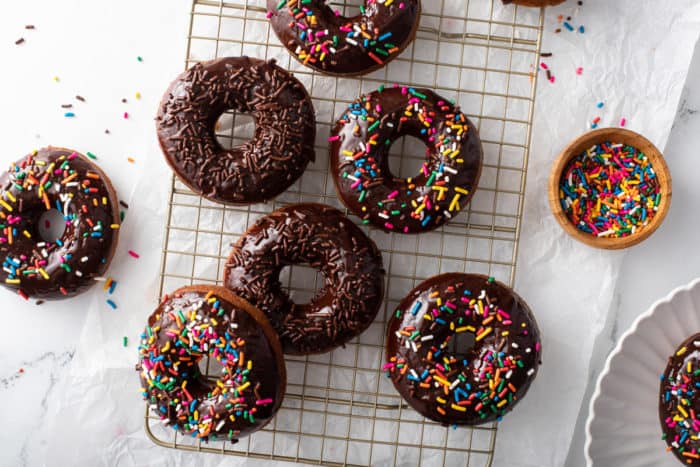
(243,387)
(114,226)
(483,334)
(461,191)
(11,196)
(12,281)
(681,351)
(138,95)
(683,411)
(440,400)
(5,205)
(502,403)
(27,234)
(43,273)
(462,409)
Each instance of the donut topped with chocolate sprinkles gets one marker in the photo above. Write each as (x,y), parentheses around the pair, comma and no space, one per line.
(462,349)
(321,37)
(258,170)
(59,224)
(322,237)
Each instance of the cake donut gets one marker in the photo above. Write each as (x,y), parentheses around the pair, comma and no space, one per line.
(534,2)
(203,321)
(322,237)
(276,156)
(462,349)
(679,401)
(325,40)
(359,154)
(56,179)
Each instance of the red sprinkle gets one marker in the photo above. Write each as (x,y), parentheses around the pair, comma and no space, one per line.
(134,254)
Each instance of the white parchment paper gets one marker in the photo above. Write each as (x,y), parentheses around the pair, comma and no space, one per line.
(634,55)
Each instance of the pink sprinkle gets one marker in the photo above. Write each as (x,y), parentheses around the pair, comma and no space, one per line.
(334,138)
(544,66)
(126,114)
(269,15)
(263,402)
(552,79)
(579,70)
(393,194)
(389,225)
(538,346)
(134,254)
(623,121)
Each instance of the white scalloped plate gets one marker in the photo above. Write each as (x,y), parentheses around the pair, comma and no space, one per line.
(623,427)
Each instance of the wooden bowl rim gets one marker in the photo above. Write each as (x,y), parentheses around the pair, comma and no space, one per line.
(616,135)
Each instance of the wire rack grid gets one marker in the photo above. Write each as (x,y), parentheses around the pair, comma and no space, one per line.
(339,408)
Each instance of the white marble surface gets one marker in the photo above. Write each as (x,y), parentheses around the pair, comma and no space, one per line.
(41,340)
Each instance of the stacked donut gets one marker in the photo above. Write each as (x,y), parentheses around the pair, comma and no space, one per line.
(460,348)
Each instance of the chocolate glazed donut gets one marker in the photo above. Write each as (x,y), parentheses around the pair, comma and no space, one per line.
(323,39)
(262,168)
(324,238)
(679,401)
(209,321)
(359,152)
(80,192)
(462,349)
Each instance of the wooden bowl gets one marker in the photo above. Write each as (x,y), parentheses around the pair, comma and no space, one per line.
(615,135)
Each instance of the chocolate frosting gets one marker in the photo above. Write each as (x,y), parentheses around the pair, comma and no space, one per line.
(61,179)
(359,152)
(276,156)
(679,402)
(462,349)
(199,321)
(338,45)
(324,238)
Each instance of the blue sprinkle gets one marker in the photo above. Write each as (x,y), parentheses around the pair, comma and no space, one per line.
(112,304)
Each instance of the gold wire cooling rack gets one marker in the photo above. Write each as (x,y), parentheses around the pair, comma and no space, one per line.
(339,408)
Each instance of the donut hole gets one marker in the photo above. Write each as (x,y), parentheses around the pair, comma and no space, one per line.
(210,368)
(50,226)
(461,345)
(301,282)
(407,155)
(351,8)
(234,129)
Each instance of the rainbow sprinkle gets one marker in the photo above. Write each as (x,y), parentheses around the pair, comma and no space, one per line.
(610,190)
